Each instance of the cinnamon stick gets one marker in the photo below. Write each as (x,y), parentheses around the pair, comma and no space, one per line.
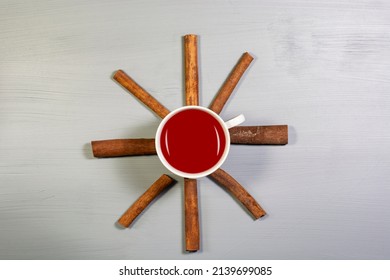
(230,83)
(129,84)
(144,200)
(191,69)
(250,135)
(191,214)
(259,135)
(190,185)
(238,191)
(123,147)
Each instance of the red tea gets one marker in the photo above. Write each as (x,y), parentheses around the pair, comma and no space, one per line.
(192,141)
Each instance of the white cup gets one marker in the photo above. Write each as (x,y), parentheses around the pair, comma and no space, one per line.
(224,126)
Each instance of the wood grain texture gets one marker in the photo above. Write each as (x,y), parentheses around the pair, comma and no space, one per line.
(128,83)
(259,135)
(230,83)
(144,200)
(123,147)
(231,185)
(191,212)
(322,67)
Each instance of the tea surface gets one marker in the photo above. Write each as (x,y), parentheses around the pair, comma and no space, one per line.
(192,141)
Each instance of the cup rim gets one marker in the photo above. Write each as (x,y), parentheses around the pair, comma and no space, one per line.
(182,173)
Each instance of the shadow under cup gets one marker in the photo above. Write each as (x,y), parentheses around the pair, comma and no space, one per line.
(192,141)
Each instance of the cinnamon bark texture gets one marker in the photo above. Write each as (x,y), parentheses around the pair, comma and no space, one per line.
(123,147)
(191,214)
(250,135)
(191,69)
(238,191)
(129,84)
(230,83)
(144,200)
(259,135)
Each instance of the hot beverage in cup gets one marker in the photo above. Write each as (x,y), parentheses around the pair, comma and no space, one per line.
(193,141)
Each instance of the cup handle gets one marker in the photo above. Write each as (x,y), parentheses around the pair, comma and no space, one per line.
(235,121)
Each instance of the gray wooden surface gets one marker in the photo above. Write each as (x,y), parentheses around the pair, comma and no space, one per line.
(321,66)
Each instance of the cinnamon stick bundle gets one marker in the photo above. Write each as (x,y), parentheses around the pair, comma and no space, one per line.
(259,135)
(123,147)
(144,200)
(230,83)
(238,191)
(129,84)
